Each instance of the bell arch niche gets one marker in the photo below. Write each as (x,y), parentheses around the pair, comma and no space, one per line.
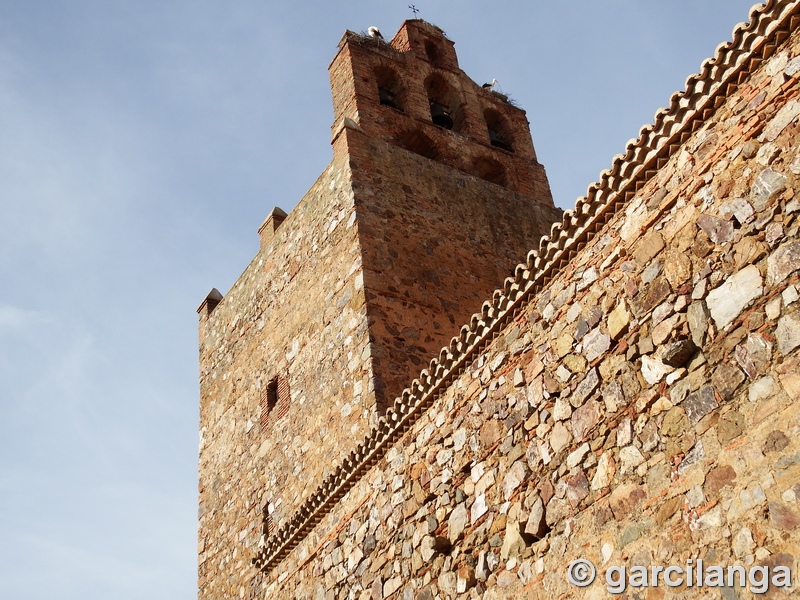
(391,91)
(500,135)
(433,53)
(446,108)
(417,142)
(490,170)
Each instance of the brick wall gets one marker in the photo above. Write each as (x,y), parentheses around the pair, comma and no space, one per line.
(356,71)
(435,243)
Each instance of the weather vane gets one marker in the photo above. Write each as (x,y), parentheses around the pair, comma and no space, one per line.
(414,10)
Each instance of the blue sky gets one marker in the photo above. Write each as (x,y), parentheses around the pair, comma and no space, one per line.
(141,145)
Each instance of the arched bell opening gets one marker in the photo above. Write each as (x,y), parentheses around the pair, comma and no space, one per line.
(440,115)
(499,130)
(445,104)
(432,52)
(391,92)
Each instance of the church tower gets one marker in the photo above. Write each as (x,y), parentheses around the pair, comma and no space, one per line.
(433,195)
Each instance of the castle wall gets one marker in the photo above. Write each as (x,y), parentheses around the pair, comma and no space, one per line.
(343,303)
(297,311)
(347,296)
(569,436)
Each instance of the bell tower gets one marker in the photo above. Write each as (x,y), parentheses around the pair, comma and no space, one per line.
(432,197)
(448,189)
(411,93)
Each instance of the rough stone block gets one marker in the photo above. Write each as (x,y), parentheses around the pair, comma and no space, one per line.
(700,403)
(783,262)
(788,333)
(718,231)
(618,320)
(728,300)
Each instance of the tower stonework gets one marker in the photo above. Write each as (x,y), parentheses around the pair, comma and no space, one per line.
(433,195)
(446,187)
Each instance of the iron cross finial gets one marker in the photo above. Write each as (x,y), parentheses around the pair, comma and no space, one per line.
(414,10)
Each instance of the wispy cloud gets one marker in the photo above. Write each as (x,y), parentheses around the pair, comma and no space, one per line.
(73,568)
(13,318)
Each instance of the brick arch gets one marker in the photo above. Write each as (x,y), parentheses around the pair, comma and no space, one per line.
(445,103)
(434,52)
(489,170)
(500,131)
(417,142)
(391,91)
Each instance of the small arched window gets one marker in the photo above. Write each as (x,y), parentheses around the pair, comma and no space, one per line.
(274,402)
(432,52)
(268,527)
(499,130)
(390,89)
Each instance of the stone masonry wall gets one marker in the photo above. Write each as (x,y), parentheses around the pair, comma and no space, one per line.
(641,409)
(322,305)
(346,297)
(297,311)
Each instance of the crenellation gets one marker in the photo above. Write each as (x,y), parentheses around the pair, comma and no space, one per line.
(267,229)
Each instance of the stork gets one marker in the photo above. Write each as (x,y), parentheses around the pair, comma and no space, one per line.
(375,33)
(489,87)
